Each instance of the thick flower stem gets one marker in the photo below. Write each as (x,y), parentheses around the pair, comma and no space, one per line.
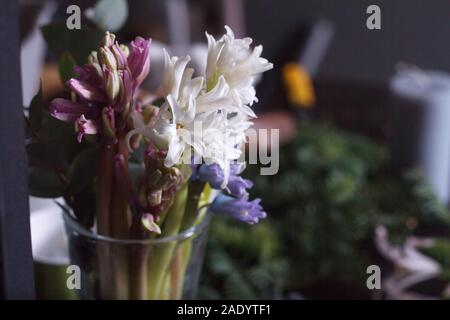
(138,272)
(195,190)
(184,250)
(178,269)
(138,259)
(104,187)
(161,255)
(164,292)
(174,275)
(119,255)
(119,230)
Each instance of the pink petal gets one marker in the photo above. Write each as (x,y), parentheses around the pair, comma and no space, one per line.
(67,110)
(85,126)
(126,91)
(149,223)
(89,74)
(86,91)
(139,60)
(120,56)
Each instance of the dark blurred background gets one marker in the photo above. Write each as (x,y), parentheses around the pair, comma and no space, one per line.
(414,31)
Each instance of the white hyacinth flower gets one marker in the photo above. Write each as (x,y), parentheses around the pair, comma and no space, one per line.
(234,60)
(205,118)
(223,138)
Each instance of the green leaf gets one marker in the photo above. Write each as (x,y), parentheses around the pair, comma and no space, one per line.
(35,111)
(44,183)
(109,14)
(80,43)
(54,129)
(66,65)
(83,205)
(47,153)
(63,134)
(82,170)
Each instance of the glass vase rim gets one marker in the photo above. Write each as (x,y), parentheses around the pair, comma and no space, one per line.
(93,235)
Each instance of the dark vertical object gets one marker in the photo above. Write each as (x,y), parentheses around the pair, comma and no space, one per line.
(16,266)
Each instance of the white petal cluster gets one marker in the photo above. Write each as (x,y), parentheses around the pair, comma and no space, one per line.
(234,60)
(205,118)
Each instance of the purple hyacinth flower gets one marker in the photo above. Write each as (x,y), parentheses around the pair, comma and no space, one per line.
(67,110)
(236,168)
(126,92)
(105,89)
(139,60)
(121,58)
(211,173)
(85,126)
(89,74)
(237,186)
(86,91)
(241,209)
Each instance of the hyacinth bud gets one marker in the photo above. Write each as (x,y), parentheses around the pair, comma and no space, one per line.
(108,39)
(113,85)
(154,178)
(149,113)
(154,159)
(93,61)
(106,57)
(125,50)
(120,56)
(98,70)
(148,221)
(108,122)
(170,183)
(125,93)
(93,58)
(154,198)
(162,183)
(172,178)
(175,172)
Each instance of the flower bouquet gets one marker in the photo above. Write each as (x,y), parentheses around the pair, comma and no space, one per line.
(138,172)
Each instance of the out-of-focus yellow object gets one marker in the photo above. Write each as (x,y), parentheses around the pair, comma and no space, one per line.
(299,86)
(51,82)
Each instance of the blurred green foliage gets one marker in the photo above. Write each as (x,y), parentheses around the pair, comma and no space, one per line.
(331,191)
